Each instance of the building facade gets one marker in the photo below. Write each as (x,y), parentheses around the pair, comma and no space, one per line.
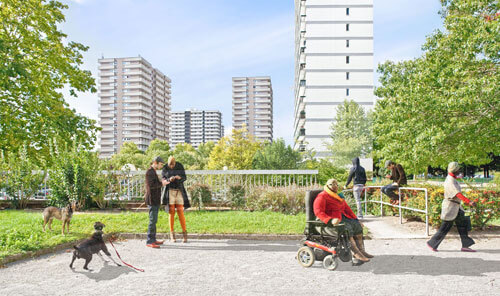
(195,127)
(253,106)
(134,104)
(333,62)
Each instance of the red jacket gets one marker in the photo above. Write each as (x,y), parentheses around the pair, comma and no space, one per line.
(327,208)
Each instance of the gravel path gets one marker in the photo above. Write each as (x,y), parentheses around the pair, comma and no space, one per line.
(233,267)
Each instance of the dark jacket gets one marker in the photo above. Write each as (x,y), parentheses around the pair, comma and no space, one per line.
(357,172)
(178,170)
(153,188)
(398,175)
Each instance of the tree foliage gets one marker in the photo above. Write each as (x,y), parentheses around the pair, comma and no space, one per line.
(350,133)
(276,156)
(444,105)
(236,152)
(36,63)
(129,154)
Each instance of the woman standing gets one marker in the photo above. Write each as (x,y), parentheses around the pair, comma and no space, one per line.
(452,211)
(331,208)
(175,196)
(358,176)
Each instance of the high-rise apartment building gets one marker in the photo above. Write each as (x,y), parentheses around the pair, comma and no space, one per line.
(333,62)
(253,106)
(195,127)
(134,104)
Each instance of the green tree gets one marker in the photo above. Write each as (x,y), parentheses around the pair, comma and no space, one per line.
(36,64)
(185,154)
(326,170)
(276,156)
(235,152)
(156,148)
(130,154)
(444,105)
(350,133)
(203,155)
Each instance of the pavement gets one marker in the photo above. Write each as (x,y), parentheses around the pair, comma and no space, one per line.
(402,266)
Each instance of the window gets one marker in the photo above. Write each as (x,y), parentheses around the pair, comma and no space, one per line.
(347,92)
(347,11)
(347,27)
(347,43)
(346,75)
(302,83)
(347,59)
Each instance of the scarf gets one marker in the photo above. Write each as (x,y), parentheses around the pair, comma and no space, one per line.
(333,194)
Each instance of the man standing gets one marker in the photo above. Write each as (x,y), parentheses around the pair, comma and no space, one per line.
(152,199)
(398,177)
(175,196)
(358,176)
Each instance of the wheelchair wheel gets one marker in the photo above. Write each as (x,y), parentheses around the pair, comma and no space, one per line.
(330,262)
(305,256)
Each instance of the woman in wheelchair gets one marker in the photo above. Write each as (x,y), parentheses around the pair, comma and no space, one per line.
(331,208)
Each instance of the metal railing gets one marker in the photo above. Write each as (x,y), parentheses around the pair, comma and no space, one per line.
(399,206)
(130,184)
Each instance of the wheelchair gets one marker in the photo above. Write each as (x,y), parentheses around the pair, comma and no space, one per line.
(319,245)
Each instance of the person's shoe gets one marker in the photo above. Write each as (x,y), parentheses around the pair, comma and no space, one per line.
(355,251)
(361,246)
(184,237)
(396,202)
(468,250)
(153,246)
(158,243)
(432,249)
(172,237)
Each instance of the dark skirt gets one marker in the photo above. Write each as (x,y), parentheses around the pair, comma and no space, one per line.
(352,225)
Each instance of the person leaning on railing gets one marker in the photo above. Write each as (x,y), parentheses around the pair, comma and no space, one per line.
(452,211)
(331,208)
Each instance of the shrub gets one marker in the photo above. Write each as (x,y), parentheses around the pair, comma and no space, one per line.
(21,182)
(236,195)
(199,191)
(287,200)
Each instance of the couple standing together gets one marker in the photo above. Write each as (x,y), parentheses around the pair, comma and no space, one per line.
(174,197)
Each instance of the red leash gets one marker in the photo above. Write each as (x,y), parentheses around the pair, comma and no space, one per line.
(141,270)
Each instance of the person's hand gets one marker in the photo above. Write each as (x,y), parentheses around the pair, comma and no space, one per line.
(335,221)
(172,179)
(472,204)
(164,182)
(388,176)
(394,184)
(178,177)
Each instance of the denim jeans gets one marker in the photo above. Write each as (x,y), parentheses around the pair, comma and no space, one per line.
(153,218)
(356,191)
(389,191)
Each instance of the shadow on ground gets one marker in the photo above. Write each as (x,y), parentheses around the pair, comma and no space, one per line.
(106,273)
(425,265)
(266,246)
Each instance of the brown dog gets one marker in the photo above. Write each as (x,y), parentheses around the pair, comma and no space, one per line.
(63,214)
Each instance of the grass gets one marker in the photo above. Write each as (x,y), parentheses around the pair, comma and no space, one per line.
(21,231)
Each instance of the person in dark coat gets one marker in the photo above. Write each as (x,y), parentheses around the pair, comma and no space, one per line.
(398,176)
(358,176)
(152,199)
(175,196)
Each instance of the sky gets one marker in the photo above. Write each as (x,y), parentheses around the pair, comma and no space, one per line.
(202,44)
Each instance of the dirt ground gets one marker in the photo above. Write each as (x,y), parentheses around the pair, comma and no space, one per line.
(236,267)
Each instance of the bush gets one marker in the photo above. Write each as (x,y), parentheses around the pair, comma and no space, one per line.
(287,200)
(199,191)
(20,182)
(236,195)
(75,177)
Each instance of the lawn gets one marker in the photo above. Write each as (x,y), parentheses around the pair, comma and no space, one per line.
(21,231)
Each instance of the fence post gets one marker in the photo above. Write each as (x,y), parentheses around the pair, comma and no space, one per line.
(426,214)
(381,204)
(399,206)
